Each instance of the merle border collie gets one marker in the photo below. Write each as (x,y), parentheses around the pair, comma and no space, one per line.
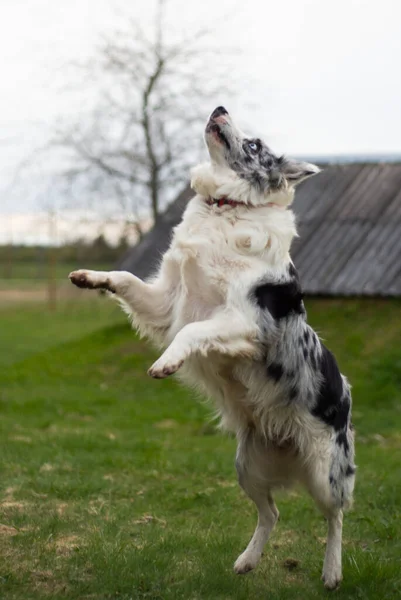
(226,307)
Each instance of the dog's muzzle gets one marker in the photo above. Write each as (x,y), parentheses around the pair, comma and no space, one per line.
(218,119)
(218,112)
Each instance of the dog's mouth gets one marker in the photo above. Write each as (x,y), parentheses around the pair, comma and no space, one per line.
(217,123)
(214,129)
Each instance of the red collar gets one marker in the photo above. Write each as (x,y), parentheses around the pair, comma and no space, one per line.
(222,201)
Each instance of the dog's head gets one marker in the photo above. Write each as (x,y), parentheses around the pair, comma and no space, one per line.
(245,168)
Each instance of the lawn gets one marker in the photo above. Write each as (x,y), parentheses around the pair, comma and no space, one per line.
(116,486)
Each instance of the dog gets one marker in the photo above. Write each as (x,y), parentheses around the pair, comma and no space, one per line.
(226,306)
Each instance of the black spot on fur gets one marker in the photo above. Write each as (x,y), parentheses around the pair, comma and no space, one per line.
(275,371)
(331,406)
(293,393)
(350,471)
(306,353)
(342,440)
(331,479)
(280,299)
(256,180)
(313,360)
(306,336)
(343,411)
(266,162)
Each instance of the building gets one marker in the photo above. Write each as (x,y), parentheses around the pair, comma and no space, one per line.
(349,222)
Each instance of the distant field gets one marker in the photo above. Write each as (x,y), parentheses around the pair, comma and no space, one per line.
(29,282)
(115,486)
(36,274)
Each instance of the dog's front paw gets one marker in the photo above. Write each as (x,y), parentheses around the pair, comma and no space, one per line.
(91,280)
(163,368)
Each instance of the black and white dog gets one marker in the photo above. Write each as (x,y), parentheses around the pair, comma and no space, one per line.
(226,306)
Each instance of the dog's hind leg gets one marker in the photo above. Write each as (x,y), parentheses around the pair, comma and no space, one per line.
(320,489)
(267,517)
(259,491)
(332,571)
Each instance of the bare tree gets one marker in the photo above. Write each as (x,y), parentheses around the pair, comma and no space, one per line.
(135,146)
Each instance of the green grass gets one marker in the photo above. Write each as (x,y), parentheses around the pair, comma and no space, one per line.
(117,486)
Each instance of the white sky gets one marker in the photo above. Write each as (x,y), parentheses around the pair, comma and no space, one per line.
(323,76)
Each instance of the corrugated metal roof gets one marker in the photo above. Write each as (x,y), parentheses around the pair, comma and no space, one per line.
(349,221)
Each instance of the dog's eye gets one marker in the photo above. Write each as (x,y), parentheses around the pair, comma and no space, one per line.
(253,146)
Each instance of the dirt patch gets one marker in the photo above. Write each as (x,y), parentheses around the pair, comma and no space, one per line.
(10,530)
(43,575)
(14,505)
(67,544)
(166,424)
(11,296)
(8,501)
(35,292)
(284,538)
(44,581)
(61,508)
(7,530)
(227,484)
(20,438)
(290,564)
(149,519)
(46,467)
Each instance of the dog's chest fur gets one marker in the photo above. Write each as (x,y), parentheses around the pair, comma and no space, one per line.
(218,258)
(220,253)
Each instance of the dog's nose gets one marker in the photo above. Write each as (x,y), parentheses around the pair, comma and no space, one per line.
(218,112)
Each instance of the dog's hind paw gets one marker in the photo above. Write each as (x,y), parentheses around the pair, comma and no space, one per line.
(246,562)
(332,582)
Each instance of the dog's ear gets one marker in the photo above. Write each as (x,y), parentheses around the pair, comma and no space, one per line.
(296,171)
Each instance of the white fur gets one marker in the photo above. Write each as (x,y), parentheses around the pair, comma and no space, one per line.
(198,309)
(219,181)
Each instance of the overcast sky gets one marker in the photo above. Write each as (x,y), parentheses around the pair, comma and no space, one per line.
(324,76)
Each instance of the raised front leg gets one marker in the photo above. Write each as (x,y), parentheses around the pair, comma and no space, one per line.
(150,302)
(101,280)
(227,333)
